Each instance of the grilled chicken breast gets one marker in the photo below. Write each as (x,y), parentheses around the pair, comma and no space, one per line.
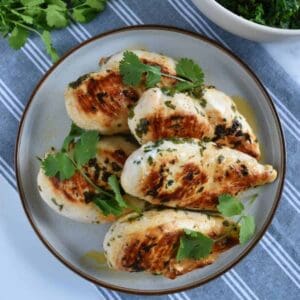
(189,173)
(101,101)
(70,197)
(214,117)
(149,242)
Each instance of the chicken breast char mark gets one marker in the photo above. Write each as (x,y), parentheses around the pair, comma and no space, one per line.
(191,174)
(213,117)
(101,101)
(72,197)
(149,242)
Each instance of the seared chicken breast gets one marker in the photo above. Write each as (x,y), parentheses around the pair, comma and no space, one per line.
(213,117)
(191,174)
(71,197)
(101,101)
(149,242)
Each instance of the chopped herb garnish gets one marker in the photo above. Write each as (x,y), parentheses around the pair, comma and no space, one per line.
(142,127)
(220,159)
(206,139)
(169,104)
(202,102)
(134,218)
(77,82)
(170,182)
(60,206)
(131,111)
(150,160)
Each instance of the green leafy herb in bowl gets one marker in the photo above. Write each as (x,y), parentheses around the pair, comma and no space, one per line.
(281,14)
(20,18)
(257,20)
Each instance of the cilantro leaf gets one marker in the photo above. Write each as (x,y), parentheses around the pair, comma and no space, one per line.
(114,185)
(75,132)
(58,164)
(24,17)
(194,245)
(247,229)
(46,37)
(131,68)
(60,3)
(32,2)
(189,75)
(84,14)
(86,147)
(18,37)
(108,206)
(96,4)
(56,16)
(229,206)
(153,77)
(188,69)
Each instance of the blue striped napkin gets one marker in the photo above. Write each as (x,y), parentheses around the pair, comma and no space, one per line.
(271,270)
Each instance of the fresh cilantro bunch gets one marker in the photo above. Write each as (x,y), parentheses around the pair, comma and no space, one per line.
(195,245)
(20,18)
(189,75)
(78,148)
(280,13)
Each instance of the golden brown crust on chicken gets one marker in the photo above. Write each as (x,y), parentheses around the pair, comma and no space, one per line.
(150,242)
(176,125)
(101,101)
(111,95)
(72,197)
(188,173)
(214,117)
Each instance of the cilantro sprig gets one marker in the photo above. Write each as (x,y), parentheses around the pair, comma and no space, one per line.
(195,245)
(79,147)
(230,206)
(189,75)
(21,17)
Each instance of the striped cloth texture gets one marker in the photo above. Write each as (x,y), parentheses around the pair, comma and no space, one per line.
(272,269)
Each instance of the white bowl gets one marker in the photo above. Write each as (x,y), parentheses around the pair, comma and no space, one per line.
(241,26)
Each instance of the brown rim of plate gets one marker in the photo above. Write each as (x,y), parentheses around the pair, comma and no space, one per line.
(259,234)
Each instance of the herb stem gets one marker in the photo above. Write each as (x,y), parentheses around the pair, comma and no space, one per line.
(96,187)
(239,219)
(220,238)
(24,26)
(174,77)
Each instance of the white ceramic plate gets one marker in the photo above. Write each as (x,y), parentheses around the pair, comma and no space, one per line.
(45,123)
